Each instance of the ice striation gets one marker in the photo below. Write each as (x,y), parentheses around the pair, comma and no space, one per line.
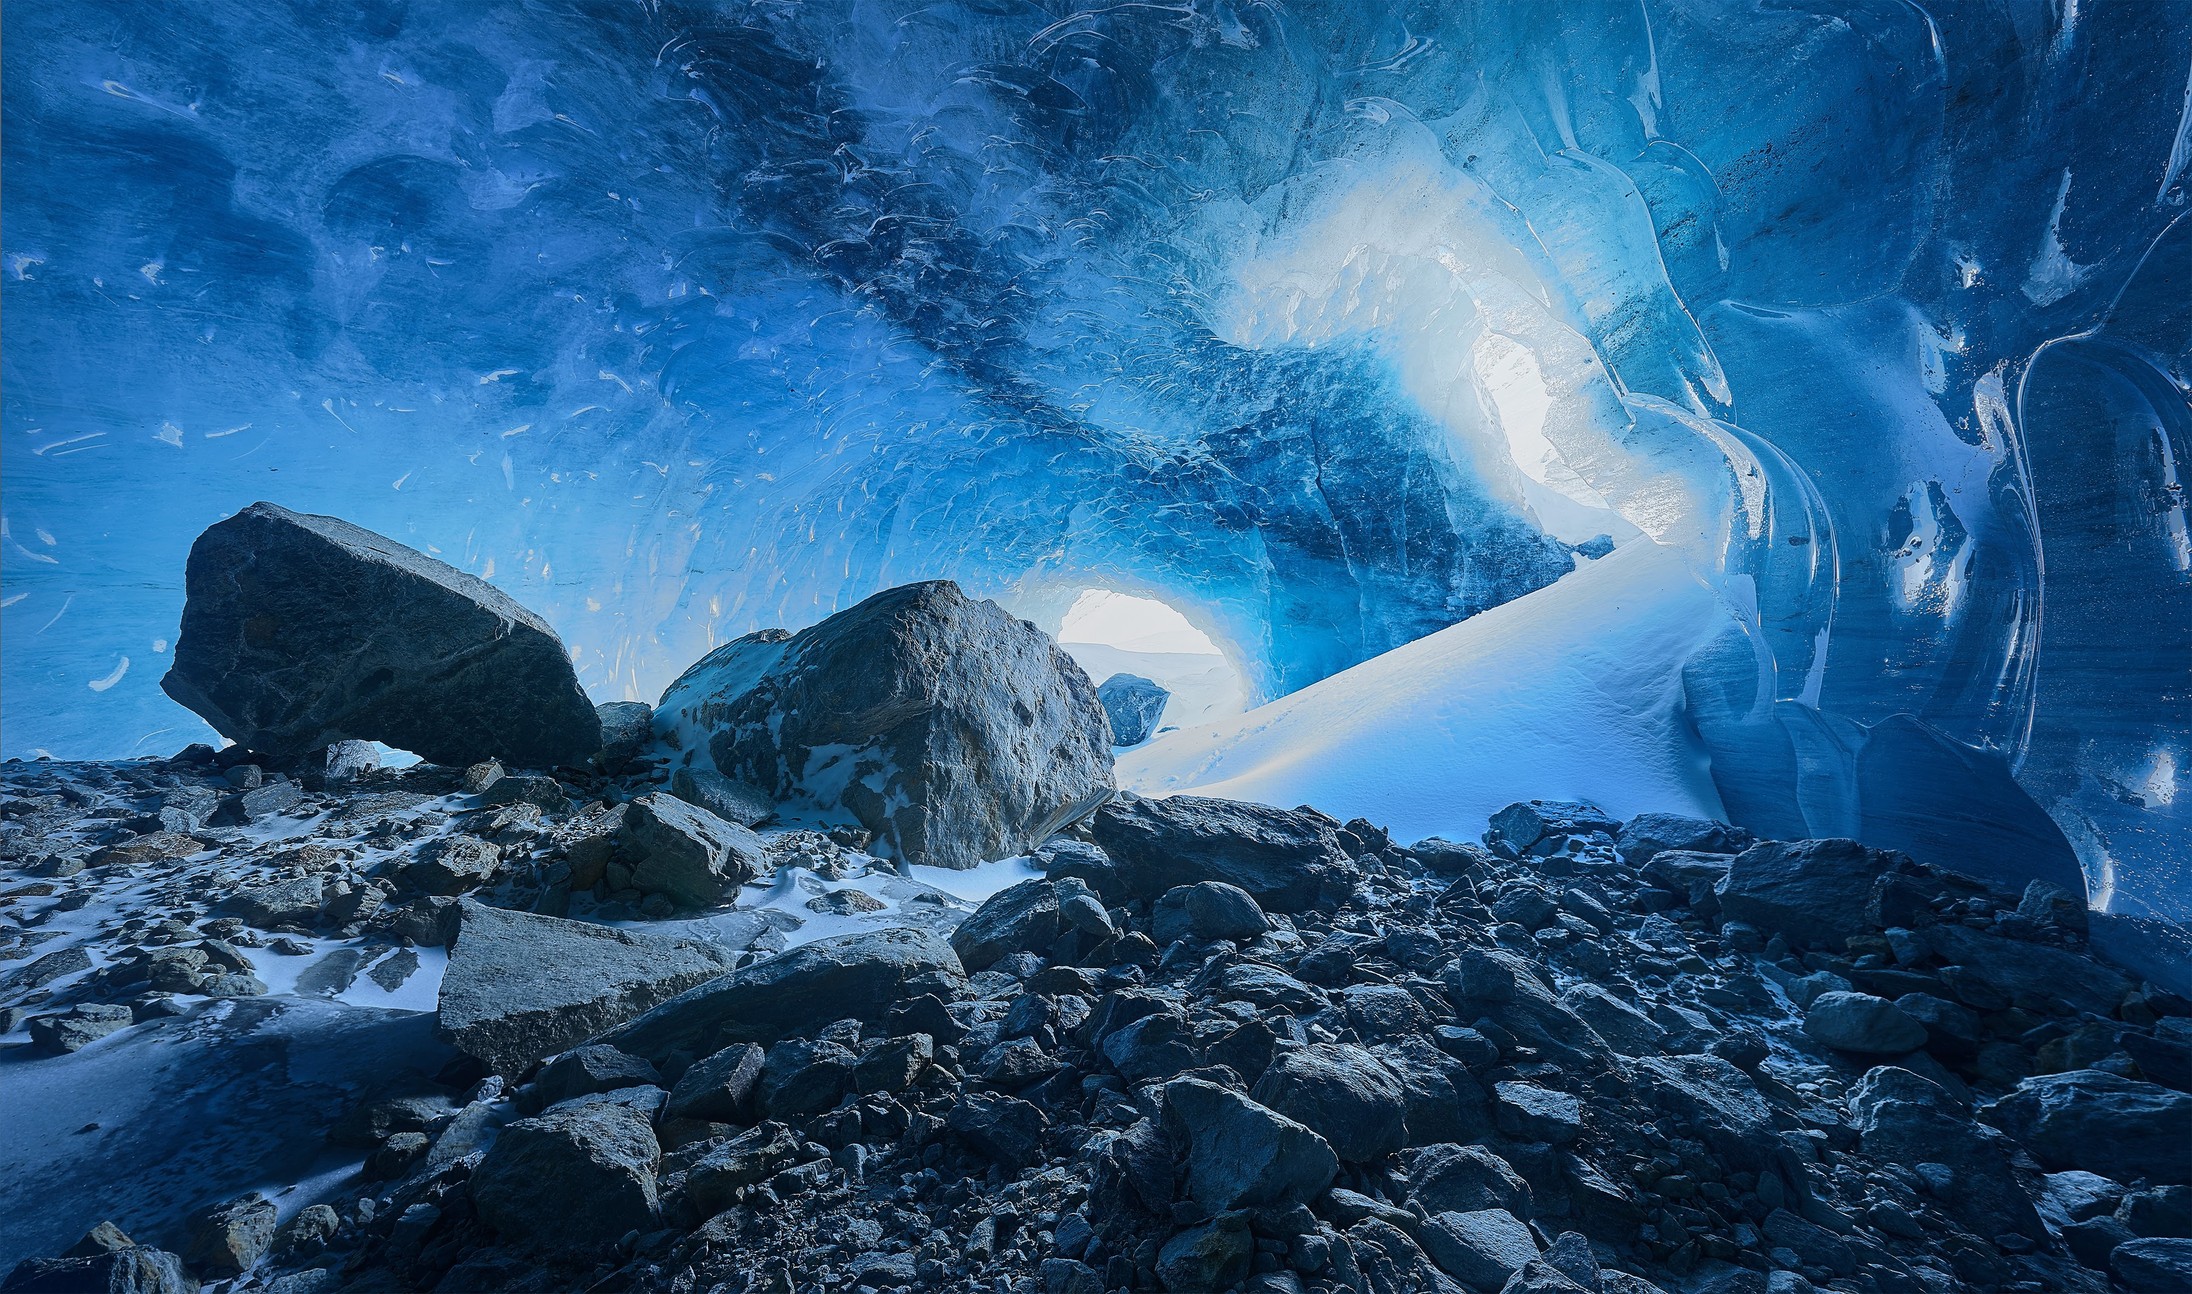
(1331,326)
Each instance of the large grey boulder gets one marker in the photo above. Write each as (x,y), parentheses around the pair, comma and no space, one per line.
(2118,1127)
(522,986)
(953,731)
(301,631)
(1134,705)
(857,976)
(575,1179)
(1284,858)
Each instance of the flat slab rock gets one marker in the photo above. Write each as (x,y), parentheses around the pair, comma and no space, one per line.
(522,986)
(851,976)
(301,631)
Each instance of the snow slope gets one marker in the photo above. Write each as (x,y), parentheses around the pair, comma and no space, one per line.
(1571,691)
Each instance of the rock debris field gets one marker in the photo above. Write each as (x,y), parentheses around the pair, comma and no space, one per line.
(720,1006)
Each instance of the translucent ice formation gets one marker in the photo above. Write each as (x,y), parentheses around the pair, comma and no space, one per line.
(1330,325)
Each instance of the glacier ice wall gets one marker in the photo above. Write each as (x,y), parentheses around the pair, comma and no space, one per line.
(1329,324)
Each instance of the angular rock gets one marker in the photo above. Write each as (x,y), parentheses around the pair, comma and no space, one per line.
(953,731)
(229,1238)
(857,976)
(1216,910)
(1283,858)
(301,631)
(719,1089)
(627,728)
(2118,1127)
(1240,1154)
(2029,975)
(1213,1256)
(131,1269)
(1456,1178)
(583,1071)
(1717,1102)
(2161,1266)
(1481,1248)
(76,1028)
(294,902)
(1002,1128)
(1813,891)
(1341,1093)
(1648,834)
(522,986)
(803,1077)
(1628,1030)
(576,1179)
(687,853)
(1901,1117)
(457,865)
(745,1160)
(153,847)
(1862,1023)
(1534,1113)
(739,802)
(1518,827)
(1021,918)
(1134,705)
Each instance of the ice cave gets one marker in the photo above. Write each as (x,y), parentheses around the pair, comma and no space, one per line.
(1266,450)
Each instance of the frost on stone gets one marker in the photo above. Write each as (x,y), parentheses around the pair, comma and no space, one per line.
(1333,326)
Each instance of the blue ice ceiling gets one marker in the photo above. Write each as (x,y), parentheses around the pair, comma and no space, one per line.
(1330,324)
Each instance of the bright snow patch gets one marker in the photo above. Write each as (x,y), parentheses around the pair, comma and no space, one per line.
(1571,691)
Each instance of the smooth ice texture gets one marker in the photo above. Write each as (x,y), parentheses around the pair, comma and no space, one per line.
(1330,326)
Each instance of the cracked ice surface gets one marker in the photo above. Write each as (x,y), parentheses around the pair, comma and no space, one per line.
(1330,325)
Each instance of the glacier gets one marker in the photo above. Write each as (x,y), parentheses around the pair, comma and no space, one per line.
(1815,374)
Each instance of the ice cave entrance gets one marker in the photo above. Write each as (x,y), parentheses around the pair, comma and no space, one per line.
(1110,632)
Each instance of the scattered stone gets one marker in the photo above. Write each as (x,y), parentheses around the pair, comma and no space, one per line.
(294,902)
(1649,834)
(1216,910)
(1001,1128)
(1134,706)
(2162,1266)
(954,732)
(300,631)
(499,1006)
(1215,1255)
(1518,829)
